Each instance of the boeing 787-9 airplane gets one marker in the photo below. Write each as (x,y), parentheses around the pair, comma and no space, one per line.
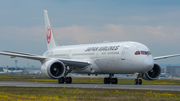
(100,58)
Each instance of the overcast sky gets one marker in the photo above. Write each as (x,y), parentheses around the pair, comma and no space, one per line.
(155,23)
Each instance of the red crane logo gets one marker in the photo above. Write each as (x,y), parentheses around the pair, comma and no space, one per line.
(48,34)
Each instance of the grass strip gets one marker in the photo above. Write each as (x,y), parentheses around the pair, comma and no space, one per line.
(84,94)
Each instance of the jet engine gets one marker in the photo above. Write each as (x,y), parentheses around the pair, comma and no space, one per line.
(152,74)
(53,69)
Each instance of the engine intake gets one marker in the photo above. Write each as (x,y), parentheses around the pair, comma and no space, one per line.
(152,74)
(53,69)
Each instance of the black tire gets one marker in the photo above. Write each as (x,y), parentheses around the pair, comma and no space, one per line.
(140,81)
(106,81)
(68,80)
(136,81)
(114,81)
(61,80)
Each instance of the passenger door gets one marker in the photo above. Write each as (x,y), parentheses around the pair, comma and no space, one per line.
(123,53)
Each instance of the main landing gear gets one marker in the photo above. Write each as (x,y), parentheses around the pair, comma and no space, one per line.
(111,80)
(66,79)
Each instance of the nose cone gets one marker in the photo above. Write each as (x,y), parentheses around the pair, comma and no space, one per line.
(148,63)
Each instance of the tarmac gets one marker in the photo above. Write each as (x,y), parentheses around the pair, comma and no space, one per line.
(85,85)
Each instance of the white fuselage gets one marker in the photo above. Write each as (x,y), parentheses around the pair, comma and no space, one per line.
(107,58)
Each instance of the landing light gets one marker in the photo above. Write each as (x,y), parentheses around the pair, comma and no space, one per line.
(13,56)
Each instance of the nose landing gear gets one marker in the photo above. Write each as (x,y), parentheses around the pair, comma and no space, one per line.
(138,80)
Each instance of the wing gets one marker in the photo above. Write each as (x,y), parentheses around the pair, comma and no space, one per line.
(23,55)
(167,56)
(70,62)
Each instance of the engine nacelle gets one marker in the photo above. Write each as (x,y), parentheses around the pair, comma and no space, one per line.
(53,69)
(152,74)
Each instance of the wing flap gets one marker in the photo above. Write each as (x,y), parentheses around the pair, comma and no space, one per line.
(19,53)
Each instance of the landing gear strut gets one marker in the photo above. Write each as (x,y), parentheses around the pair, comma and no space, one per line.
(66,79)
(111,80)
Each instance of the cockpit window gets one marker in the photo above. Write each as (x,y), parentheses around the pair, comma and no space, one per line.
(142,52)
(137,53)
(148,52)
